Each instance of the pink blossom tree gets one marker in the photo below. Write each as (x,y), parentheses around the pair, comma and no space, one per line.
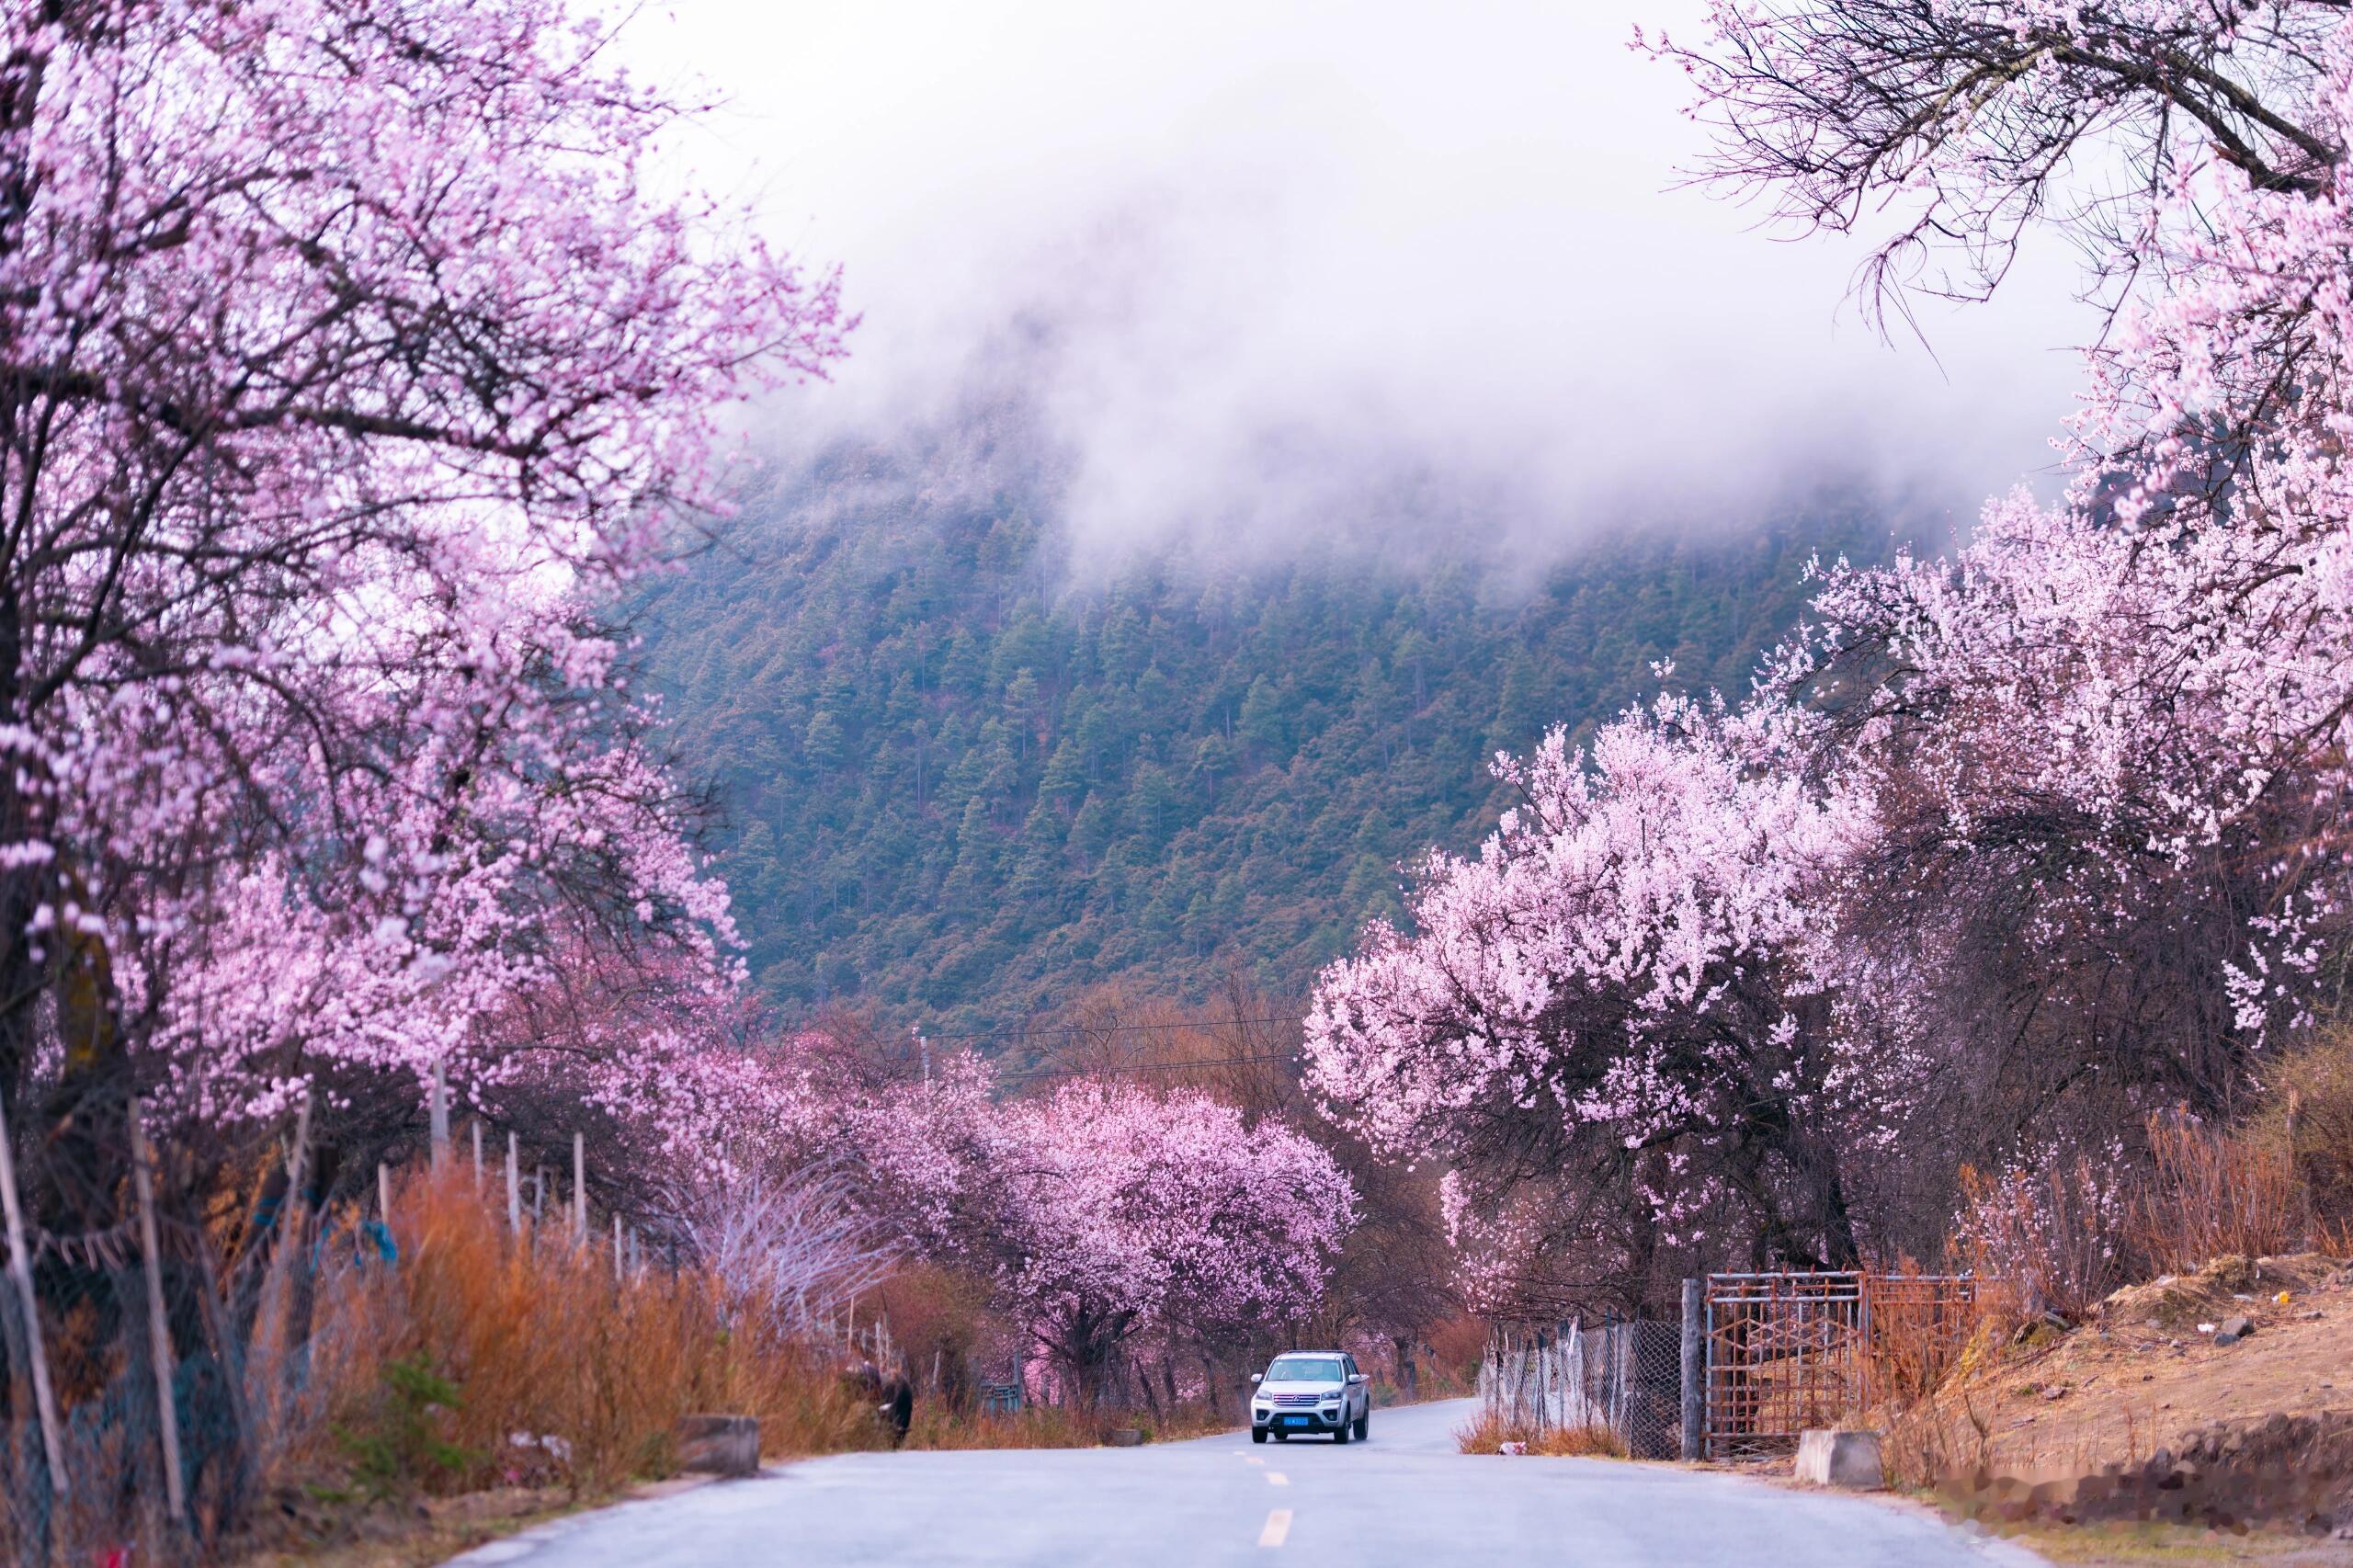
(1126,1213)
(2106,742)
(2056,836)
(922,1151)
(1614,999)
(347,356)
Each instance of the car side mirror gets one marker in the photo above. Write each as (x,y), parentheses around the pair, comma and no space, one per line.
(1256,1377)
(1358,1377)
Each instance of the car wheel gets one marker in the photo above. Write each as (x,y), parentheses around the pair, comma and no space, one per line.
(1340,1433)
(1257,1434)
(1364,1426)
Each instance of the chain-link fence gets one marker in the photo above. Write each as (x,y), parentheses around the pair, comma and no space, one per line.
(160,1370)
(182,1333)
(1621,1375)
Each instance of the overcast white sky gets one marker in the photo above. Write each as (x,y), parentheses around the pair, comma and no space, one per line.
(1253,259)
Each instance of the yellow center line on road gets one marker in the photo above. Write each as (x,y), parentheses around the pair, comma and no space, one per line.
(1257,1462)
(1277,1527)
(1277,1478)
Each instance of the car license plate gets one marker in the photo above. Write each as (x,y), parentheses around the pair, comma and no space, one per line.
(1294,1420)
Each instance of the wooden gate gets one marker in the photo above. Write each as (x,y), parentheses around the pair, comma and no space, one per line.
(1787,1352)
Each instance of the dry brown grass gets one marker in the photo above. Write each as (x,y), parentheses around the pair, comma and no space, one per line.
(533,1338)
(1931,1440)
(2216,1193)
(1487,1432)
(2308,1112)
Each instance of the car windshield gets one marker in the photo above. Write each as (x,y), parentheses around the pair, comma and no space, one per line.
(1305,1369)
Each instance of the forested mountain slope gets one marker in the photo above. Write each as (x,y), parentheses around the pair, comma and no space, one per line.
(958,789)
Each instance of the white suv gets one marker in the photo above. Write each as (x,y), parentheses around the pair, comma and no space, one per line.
(1312,1391)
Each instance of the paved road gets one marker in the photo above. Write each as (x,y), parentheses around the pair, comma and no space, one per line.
(1405,1499)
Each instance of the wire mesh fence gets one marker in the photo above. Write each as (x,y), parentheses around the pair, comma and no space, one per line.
(1755,1360)
(1620,1375)
(184,1338)
(171,1393)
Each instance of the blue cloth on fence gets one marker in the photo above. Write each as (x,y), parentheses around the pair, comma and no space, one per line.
(374,1234)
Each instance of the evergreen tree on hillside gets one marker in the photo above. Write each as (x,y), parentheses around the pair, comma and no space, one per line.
(957,791)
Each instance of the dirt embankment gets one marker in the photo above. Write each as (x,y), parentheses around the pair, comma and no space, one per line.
(2201,1417)
(2155,1366)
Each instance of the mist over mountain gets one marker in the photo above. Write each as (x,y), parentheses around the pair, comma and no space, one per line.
(1262,411)
(969,769)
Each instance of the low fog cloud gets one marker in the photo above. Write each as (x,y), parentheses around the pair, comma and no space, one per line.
(1269,274)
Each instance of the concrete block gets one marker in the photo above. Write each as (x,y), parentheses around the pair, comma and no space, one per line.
(1127,1437)
(719,1445)
(1840,1459)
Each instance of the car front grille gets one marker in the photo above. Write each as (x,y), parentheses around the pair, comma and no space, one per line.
(1298,1399)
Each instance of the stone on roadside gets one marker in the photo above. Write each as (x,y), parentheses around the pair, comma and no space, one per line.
(1849,1459)
(719,1445)
(2232,1330)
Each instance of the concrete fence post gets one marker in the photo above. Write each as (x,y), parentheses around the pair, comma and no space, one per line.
(159,1332)
(1695,1369)
(20,1269)
(438,1114)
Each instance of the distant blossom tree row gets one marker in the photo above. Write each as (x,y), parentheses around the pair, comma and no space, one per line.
(2006,849)
(1116,1225)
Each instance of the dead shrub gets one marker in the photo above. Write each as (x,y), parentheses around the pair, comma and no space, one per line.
(553,1366)
(2059,1239)
(1932,1441)
(2308,1112)
(2216,1193)
(1919,1336)
(938,1318)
